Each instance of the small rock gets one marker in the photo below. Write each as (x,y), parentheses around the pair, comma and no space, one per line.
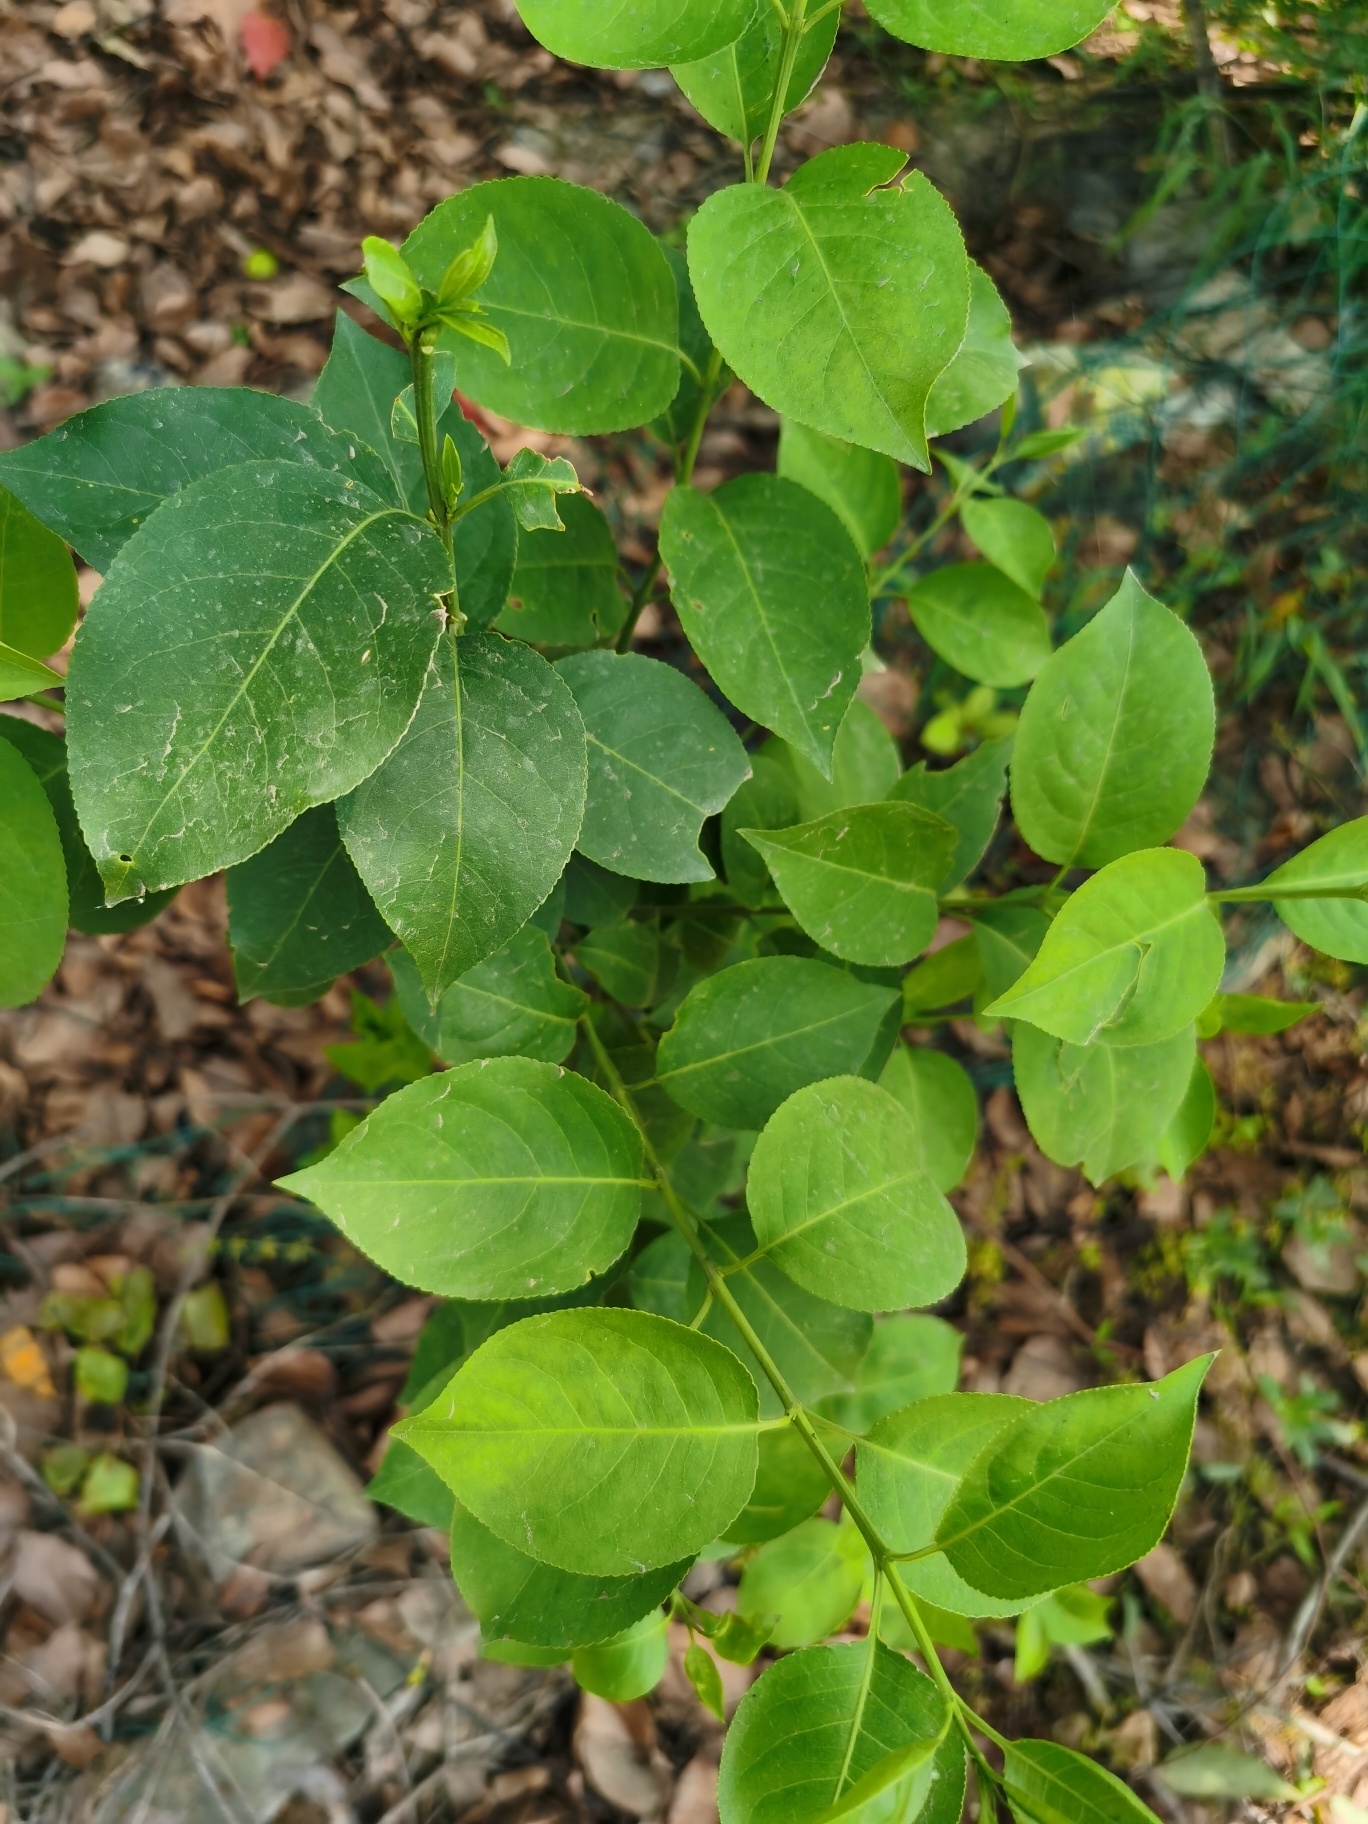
(1043,1369)
(619,1766)
(1167,1579)
(74,19)
(55,1578)
(99,248)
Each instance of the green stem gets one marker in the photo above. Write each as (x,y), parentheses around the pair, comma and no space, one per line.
(421,352)
(793,37)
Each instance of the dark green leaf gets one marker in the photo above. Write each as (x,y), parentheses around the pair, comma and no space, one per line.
(513,1004)
(33,886)
(1008,30)
(1007,936)
(939,1096)
(967,795)
(1213,1771)
(37,584)
(865,766)
(411,1487)
(982,623)
(595,895)
(633,34)
(733,89)
(861,486)
(984,370)
(1047,1784)
(534,484)
(768,800)
(943,979)
(627,960)
(565,589)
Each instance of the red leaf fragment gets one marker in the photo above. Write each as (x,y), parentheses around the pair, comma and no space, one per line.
(265,43)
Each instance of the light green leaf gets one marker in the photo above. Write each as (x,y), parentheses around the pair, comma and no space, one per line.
(500,1179)
(534,484)
(518,1597)
(734,88)
(967,795)
(865,766)
(810,1579)
(99,476)
(1014,537)
(861,486)
(1073,1489)
(981,623)
(1047,1784)
(907,1470)
(768,800)
(940,1097)
(628,960)
(943,979)
(633,34)
(468,825)
(1115,738)
(839,298)
(1133,958)
(1006,30)
(773,600)
(1101,1107)
(258,650)
(747,1037)
(1185,1138)
(582,292)
(910,1357)
(1251,1013)
(33,883)
(790,1485)
(513,1004)
(862,882)
(700,1668)
(629,1665)
(1213,1771)
(818,1722)
(1337,862)
(840,1197)
(1008,935)
(1071,1617)
(37,586)
(661,759)
(411,1487)
(22,676)
(299,914)
(606,1442)
(984,370)
(565,589)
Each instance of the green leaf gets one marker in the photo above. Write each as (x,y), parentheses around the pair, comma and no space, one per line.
(626,960)
(861,487)
(1008,935)
(1006,30)
(661,759)
(839,298)
(631,1045)
(513,1004)
(1335,863)
(22,676)
(1213,1771)
(1185,1138)
(733,89)
(633,34)
(981,623)
(1076,1488)
(533,484)
(773,600)
(38,601)
(299,915)
(862,882)
(389,277)
(700,1668)
(387,1051)
(865,766)
(1014,537)
(810,1579)
(606,1442)
(1133,958)
(514,1595)
(768,800)
(747,1037)
(467,826)
(257,651)
(1115,738)
(949,975)
(790,1485)
(565,589)
(627,1666)
(675,424)
(818,1722)
(99,476)
(910,1357)
(968,796)
(940,1097)
(1071,1617)
(1251,1013)
(1101,1107)
(907,1471)
(582,292)
(33,883)
(499,1179)
(840,1197)
(595,895)
(1047,1784)
(356,392)
(984,370)
(411,1487)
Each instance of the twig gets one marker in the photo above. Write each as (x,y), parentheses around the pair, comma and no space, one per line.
(1313,1604)
(432,1783)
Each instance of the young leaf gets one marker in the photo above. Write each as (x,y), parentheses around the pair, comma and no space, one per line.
(1047,1784)
(810,1579)
(1115,738)
(607,1442)
(99,476)
(33,883)
(700,1668)
(37,587)
(565,589)
(22,676)
(773,600)
(1011,31)
(733,89)
(514,1595)
(839,298)
(533,482)
(1251,1013)
(1212,1771)
(862,882)
(629,1665)
(1334,863)
(633,34)
(580,289)
(275,597)
(1076,1488)
(747,1037)
(860,486)
(840,1197)
(1101,1107)
(389,277)
(1185,1138)
(467,826)
(1133,958)
(470,268)
(910,1357)
(1071,1617)
(790,1485)
(299,915)
(982,623)
(1014,537)
(513,1004)
(500,1179)
(661,759)
(984,370)
(967,795)
(939,1096)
